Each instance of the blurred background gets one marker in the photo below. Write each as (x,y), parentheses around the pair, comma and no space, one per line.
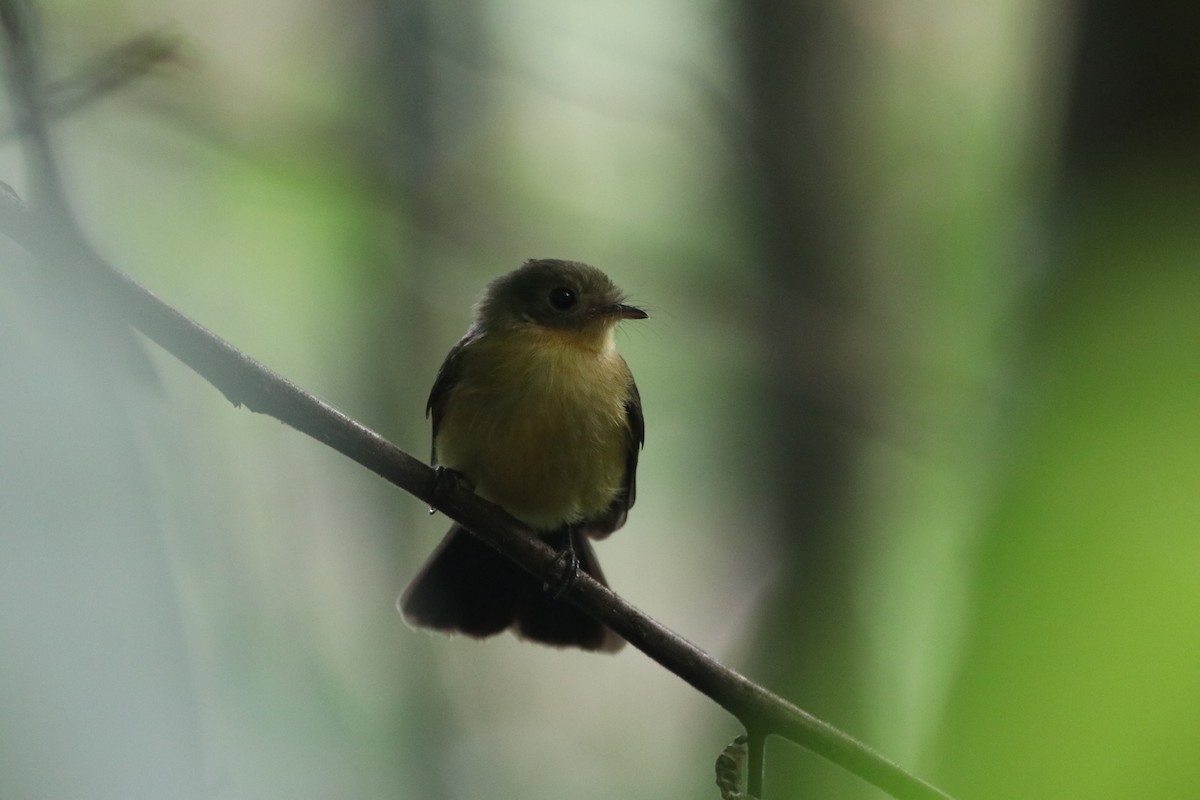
(921,383)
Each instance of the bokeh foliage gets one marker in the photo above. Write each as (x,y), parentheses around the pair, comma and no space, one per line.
(921,390)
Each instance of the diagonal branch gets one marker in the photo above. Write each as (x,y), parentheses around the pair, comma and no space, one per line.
(53,236)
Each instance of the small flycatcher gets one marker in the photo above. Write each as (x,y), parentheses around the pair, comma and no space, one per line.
(535,408)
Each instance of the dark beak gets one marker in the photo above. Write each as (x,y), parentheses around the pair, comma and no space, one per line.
(620,311)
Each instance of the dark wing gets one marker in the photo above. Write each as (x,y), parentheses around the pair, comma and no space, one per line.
(614,517)
(637,437)
(447,377)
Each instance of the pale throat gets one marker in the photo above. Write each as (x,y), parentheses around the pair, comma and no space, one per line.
(599,337)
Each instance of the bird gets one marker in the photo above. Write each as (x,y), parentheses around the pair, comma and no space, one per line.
(535,409)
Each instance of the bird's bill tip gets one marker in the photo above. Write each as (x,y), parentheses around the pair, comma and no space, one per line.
(621,311)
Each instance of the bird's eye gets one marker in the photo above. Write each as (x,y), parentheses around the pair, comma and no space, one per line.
(562,298)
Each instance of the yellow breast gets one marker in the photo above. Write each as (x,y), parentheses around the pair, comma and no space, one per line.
(537,422)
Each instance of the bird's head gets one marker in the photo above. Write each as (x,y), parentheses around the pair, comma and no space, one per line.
(558,297)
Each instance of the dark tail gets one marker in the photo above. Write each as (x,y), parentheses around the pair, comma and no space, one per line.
(467,587)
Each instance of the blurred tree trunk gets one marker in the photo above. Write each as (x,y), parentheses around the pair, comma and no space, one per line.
(411,119)
(1135,88)
(796,76)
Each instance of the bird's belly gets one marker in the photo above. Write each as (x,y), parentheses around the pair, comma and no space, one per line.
(546,453)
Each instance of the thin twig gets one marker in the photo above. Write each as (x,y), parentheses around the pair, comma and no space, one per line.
(105,74)
(756,764)
(52,235)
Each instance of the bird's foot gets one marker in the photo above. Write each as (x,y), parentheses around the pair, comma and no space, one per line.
(442,476)
(567,566)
